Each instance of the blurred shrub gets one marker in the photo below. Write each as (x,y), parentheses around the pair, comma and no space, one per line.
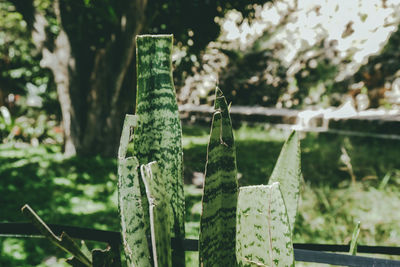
(28,101)
(20,71)
(293,53)
(34,127)
(254,77)
(381,75)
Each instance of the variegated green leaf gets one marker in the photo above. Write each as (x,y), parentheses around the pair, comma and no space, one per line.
(132,215)
(263,235)
(218,219)
(287,172)
(158,136)
(85,249)
(354,239)
(130,203)
(129,123)
(65,242)
(160,228)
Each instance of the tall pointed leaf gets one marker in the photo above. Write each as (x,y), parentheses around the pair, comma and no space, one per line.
(287,172)
(130,205)
(218,219)
(158,136)
(159,217)
(354,239)
(263,235)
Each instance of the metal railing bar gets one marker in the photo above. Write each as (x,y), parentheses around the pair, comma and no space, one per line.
(303,252)
(341,259)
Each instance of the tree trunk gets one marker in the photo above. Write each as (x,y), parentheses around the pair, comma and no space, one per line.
(95,81)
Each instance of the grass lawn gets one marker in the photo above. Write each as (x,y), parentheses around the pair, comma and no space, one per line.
(82,191)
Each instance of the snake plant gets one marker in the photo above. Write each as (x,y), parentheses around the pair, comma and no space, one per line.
(218,220)
(253,227)
(246,226)
(263,233)
(157,138)
(287,172)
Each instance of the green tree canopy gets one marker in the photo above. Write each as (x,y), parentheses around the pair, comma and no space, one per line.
(89,47)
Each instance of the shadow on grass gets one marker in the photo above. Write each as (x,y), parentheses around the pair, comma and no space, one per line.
(73,191)
(82,191)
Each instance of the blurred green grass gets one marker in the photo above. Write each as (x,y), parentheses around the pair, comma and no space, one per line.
(82,191)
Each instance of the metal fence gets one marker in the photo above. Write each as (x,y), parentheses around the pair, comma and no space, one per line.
(316,253)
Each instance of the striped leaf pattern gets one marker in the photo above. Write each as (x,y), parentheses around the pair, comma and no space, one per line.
(158,136)
(263,235)
(130,204)
(160,228)
(218,219)
(287,172)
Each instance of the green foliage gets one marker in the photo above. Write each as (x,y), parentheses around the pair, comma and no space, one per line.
(21,76)
(34,127)
(132,213)
(287,172)
(317,82)
(179,17)
(329,204)
(26,89)
(71,191)
(81,191)
(293,54)
(218,218)
(265,216)
(354,239)
(380,75)
(93,26)
(153,205)
(159,215)
(158,135)
(64,242)
(250,85)
(6,123)
(263,234)
(194,26)
(81,255)
(18,63)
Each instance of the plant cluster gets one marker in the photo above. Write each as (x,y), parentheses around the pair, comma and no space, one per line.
(246,226)
(239,226)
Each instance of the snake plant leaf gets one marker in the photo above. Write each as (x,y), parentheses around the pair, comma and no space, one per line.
(85,249)
(65,242)
(354,239)
(218,219)
(130,122)
(263,235)
(159,217)
(287,172)
(133,226)
(158,136)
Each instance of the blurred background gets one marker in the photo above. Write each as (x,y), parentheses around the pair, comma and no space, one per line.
(330,69)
